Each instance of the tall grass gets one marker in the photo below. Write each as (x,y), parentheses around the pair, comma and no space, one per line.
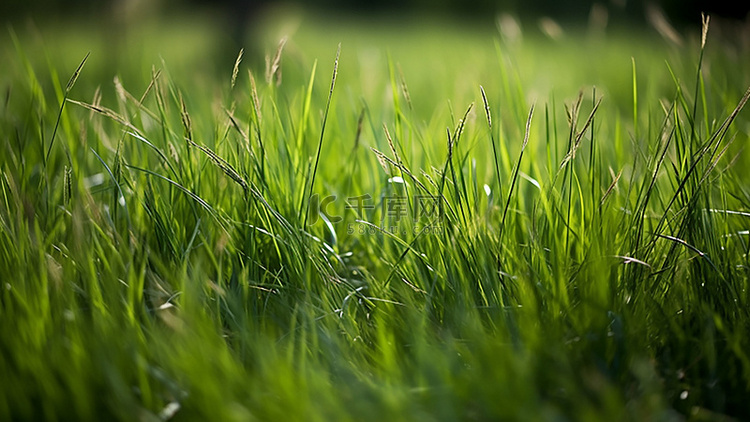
(300,250)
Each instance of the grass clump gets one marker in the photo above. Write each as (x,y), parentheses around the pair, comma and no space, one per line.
(329,249)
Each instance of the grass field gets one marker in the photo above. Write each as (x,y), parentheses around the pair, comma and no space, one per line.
(424,222)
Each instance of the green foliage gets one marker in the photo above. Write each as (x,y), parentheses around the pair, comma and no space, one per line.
(228,247)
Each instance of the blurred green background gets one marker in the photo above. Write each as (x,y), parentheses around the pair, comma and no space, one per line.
(216,30)
(682,11)
(225,26)
(238,17)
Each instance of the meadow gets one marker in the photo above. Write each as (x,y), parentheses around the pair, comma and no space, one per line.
(373,221)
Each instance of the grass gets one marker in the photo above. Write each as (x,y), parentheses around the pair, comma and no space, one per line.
(456,226)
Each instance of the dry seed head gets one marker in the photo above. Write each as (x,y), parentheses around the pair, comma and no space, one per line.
(159,87)
(173,153)
(390,144)
(273,67)
(107,113)
(121,95)
(186,122)
(404,88)
(486,107)
(429,179)
(236,68)
(96,102)
(254,94)
(704,28)
(383,160)
(461,123)
(223,165)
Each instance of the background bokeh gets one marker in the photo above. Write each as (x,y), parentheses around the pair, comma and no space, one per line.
(237,23)
(195,40)
(681,12)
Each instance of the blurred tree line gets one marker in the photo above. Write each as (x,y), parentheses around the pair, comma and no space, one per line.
(680,12)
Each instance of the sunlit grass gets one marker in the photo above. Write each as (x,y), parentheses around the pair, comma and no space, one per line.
(228,241)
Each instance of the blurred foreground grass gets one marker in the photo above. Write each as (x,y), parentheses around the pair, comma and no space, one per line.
(190,240)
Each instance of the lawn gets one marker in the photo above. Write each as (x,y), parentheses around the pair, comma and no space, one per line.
(356,220)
